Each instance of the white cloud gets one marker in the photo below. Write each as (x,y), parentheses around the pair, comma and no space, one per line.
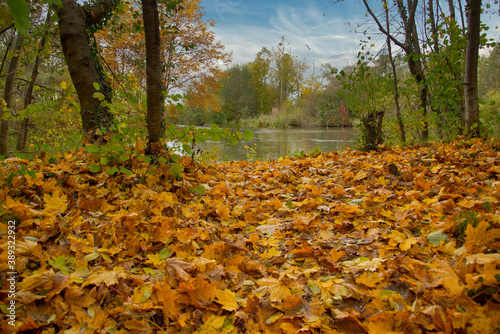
(318,38)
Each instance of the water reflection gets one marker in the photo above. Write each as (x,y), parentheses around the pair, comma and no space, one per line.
(275,143)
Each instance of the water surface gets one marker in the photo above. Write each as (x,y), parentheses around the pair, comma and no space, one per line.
(275,143)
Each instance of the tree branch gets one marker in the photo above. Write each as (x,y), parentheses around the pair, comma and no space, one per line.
(382,30)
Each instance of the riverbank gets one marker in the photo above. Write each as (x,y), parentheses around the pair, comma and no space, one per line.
(400,240)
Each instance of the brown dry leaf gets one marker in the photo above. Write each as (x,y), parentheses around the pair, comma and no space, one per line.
(108,277)
(43,280)
(179,268)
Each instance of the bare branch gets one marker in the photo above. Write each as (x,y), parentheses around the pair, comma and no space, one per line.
(382,30)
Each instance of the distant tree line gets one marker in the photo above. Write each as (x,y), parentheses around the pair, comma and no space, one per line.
(427,82)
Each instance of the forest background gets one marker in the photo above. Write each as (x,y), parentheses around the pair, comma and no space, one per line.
(411,90)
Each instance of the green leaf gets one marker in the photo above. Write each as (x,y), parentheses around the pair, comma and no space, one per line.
(96,168)
(145,296)
(92,148)
(96,86)
(91,256)
(199,189)
(104,161)
(148,270)
(126,171)
(175,157)
(98,95)
(247,135)
(313,287)
(186,148)
(435,238)
(233,140)
(19,10)
(384,293)
(112,170)
(165,253)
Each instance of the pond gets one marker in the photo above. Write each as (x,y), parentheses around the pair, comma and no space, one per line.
(276,143)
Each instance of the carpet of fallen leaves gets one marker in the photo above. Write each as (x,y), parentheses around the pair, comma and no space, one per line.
(404,240)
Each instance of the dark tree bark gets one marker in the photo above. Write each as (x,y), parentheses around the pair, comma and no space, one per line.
(9,89)
(471,62)
(22,136)
(82,63)
(155,122)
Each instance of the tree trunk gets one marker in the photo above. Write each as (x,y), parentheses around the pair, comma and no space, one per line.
(395,78)
(154,94)
(82,62)
(412,49)
(22,136)
(471,62)
(9,90)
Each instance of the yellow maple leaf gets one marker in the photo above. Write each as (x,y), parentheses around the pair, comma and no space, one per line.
(480,235)
(56,202)
(227,299)
(369,279)
(406,245)
(277,290)
(335,255)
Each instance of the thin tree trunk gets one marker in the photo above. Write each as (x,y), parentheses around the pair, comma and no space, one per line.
(9,90)
(413,52)
(395,76)
(82,64)
(154,94)
(22,137)
(451,7)
(471,62)
(6,54)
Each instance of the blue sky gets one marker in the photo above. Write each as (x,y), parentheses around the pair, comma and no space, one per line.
(315,29)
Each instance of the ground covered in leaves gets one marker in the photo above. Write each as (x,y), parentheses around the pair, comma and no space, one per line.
(397,241)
